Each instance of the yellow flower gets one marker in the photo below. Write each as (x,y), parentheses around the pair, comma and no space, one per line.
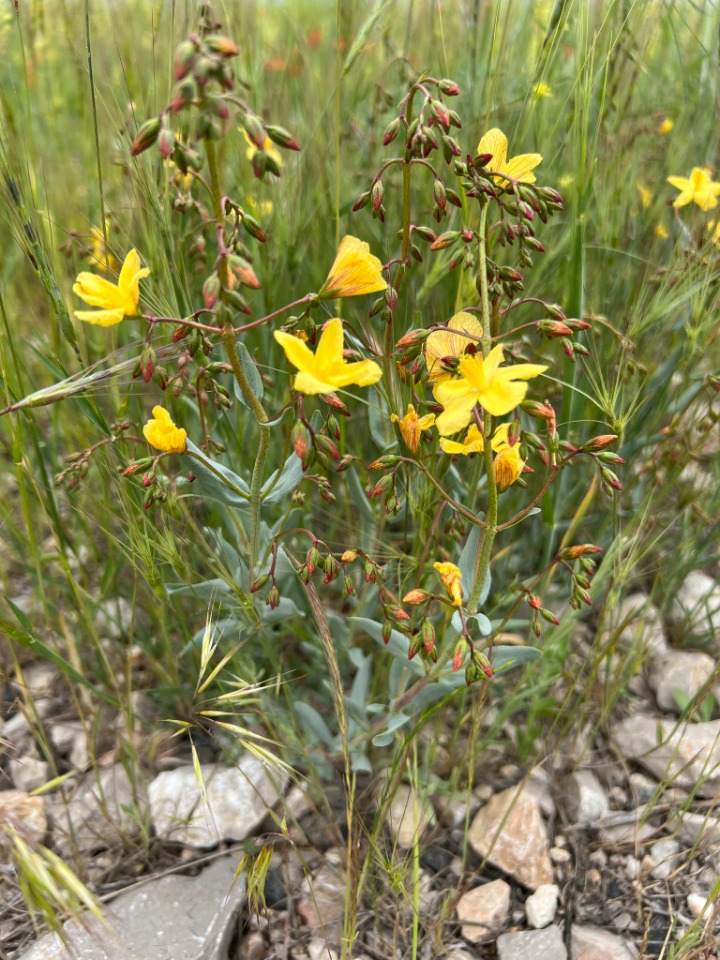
(698,188)
(474,441)
(645,195)
(116,301)
(446,343)
(542,90)
(411,426)
(326,370)
(451,576)
(714,228)
(162,433)
(666,126)
(496,143)
(481,381)
(269,147)
(661,232)
(354,272)
(104,260)
(566,180)
(507,466)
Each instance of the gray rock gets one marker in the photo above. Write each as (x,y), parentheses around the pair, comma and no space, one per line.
(685,671)
(317,949)
(401,819)
(540,906)
(586,800)
(664,854)
(483,910)
(29,773)
(688,755)
(509,831)
(98,814)
(544,944)
(322,902)
(594,943)
(114,618)
(236,800)
(696,828)
(697,903)
(696,608)
(173,918)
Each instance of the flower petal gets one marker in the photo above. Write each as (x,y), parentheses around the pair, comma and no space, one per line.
(97,291)
(308,383)
(496,143)
(329,350)
(101,318)
(501,397)
(456,416)
(519,371)
(298,353)
(519,167)
(362,374)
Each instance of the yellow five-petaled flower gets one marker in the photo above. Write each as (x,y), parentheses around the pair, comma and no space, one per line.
(482,381)
(326,370)
(162,433)
(115,300)
(411,426)
(451,576)
(698,188)
(519,168)
(355,271)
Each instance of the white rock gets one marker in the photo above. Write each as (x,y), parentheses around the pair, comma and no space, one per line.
(236,800)
(696,608)
(637,622)
(664,855)
(401,820)
(322,902)
(696,903)
(544,944)
(643,788)
(29,773)
(483,910)
(540,906)
(696,828)
(594,943)
(685,671)
(586,798)
(114,618)
(318,950)
(539,786)
(688,756)
(510,832)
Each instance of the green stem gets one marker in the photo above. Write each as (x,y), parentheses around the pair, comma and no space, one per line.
(228,336)
(482,560)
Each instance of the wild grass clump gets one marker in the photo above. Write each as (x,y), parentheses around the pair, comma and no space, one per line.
(345,370)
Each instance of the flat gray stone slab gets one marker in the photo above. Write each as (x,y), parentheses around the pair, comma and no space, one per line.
(173,918)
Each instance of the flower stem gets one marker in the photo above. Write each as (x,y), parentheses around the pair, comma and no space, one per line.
(228,337)
(482,560)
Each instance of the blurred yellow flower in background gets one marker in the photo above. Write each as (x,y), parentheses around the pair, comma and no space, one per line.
(354,271)
(541,90)
(666,126)
(269,147)
(326,370)
(645,195)
(115,300)
(162,433)
(104,260)
(496,143)
(698,188)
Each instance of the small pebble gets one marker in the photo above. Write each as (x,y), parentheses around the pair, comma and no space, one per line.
(540,906)
(560,855)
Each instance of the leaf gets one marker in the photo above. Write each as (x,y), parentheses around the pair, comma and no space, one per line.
(215,481)
(314,724)
(378,420)
(531,513)
(506,657)
(205,590)
(251,372)
(283,611)
(386,736)
(483,623)
(291,474)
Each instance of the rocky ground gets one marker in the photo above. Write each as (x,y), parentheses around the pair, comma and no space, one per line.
(609,848)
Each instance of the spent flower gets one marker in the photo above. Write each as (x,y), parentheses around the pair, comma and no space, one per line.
(450,575)
(161,433)
(450,343)
(411,426)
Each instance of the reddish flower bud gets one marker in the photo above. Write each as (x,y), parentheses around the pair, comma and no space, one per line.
(222,45)
(599,443)
(445,240)
(534,601)
(281,137)
(391,131)
(449,88)
(332,400)
(554,328)
(415,597)
(146,136)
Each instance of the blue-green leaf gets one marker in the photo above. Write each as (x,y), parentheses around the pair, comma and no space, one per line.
(251,372)
(215,481)
(505,657)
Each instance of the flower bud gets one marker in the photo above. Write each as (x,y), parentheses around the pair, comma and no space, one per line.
(184,58)
(332,569)
(548,615)
(568,348)
(272,599)
(383,484)
(415,597)
(449,88)
(579,550)
(554,328)
(609,457)
(439,194)
(599,443)
(259,583)
(146,136)
(325,445)
(253,228)
(389,460)
(300,438)
(439,110)
(459,654)
(147,363)
(222,45)
(610,478)
(386,631)
(349,556)
(255,130)
(427,632)
(211,290)
(377,194)
(542,411)
(281,137)
(391,131)
(362,201)
(412,339)
(534,601)
(166,142)
(445,240)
